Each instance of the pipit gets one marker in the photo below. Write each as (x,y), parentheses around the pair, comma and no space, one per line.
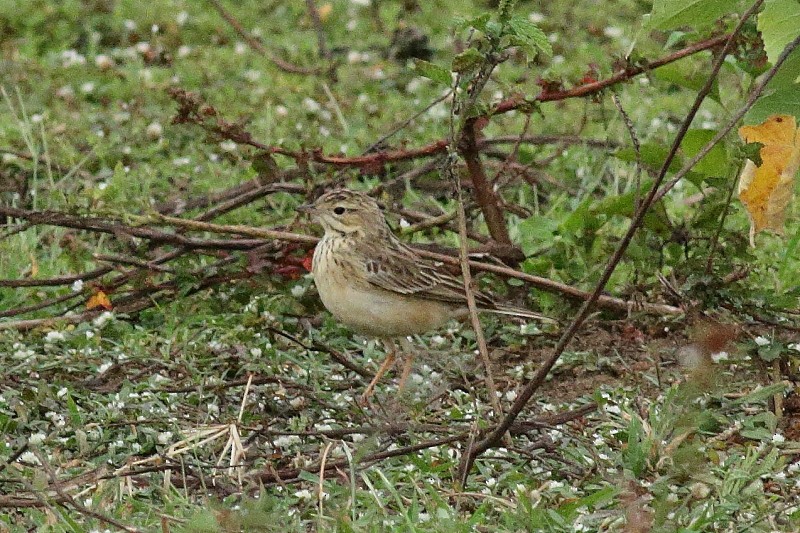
(376,285)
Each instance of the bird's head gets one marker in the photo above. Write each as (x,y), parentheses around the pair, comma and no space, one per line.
(346,212)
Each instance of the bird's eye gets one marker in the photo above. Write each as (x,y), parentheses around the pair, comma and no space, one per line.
(339,210)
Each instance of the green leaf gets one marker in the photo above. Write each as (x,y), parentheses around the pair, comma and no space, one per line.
(467,60)
(671,14)
(761,394)
(433,72)
(779,24)
(782,94)
(715,163)
(752,151)
(690,76)
(531,34)
(74,413)
(479,22)
(770,352)
(624,205)
(785,101)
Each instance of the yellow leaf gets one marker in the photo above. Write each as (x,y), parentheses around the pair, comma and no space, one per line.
(99,299)
(767,190)
(34,266)
(325,11)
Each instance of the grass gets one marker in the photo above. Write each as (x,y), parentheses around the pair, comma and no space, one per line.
(180,416)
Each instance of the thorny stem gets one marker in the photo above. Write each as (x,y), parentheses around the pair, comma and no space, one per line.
(496,434)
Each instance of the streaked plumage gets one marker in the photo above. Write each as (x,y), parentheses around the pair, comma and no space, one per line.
(375,284)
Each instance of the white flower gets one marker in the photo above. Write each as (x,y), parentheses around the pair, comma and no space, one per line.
(129,24)
(143,47)
(286,440)
(255,352)
(87,87)
(29,457)
(303,494)
(404,223)
(311,105)
(181,18)
(103,319)
(184,50)
(54,336)
(613,32)
(763,341)
(699,490)
(777,438)
(71,57)
(103,62)
(228,146)
(154,130)
(719,356)
(181,161)
(536,18)
(77,286)
(298,291)
(281,111)
(164,437)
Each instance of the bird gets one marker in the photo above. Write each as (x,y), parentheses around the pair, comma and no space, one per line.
(378,286)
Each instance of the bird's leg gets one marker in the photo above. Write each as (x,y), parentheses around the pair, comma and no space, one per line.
(409,359)
(387,363)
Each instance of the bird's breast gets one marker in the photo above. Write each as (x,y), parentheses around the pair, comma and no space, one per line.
(365,308)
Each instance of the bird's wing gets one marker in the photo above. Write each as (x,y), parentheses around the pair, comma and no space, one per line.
(399,269)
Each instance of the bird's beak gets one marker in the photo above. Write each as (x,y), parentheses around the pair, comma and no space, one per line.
(305,208)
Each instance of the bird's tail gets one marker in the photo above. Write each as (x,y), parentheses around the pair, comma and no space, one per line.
(519,312)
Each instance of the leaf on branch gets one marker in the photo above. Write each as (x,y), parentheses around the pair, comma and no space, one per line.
(779,24)
(670,14)
(99,299)
(467,60)
(766,190)
(530,37)
(479,22)
(433,72)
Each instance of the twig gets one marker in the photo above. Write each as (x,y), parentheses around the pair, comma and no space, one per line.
(291,475)
(715,238)
(546,139)
(132,261)
(41,305)
(401,126)
(494,400)
(56,218)
(335,354)
(627,73)
(496,434)
(256,44)
(313,13)
(66,498)
(484,195)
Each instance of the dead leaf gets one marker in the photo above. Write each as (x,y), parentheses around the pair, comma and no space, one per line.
(767,190)
(34,266)
(99,299)
(325,11)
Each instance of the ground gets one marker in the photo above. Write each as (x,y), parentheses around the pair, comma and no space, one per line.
(213,392)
